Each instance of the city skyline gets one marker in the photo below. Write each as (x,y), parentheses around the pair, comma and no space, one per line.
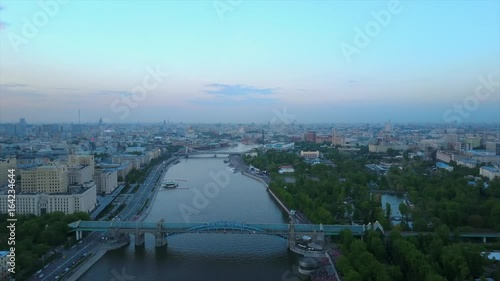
(250,61)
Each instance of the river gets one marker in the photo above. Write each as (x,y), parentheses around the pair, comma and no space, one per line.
(207,192)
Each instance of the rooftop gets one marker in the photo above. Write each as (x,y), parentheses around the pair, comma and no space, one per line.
(491,169)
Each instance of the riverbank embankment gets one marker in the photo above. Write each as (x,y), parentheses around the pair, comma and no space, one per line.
(238,163)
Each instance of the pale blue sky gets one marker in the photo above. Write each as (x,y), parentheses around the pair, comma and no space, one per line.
(240,64)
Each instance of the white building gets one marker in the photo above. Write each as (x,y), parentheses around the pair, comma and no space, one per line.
(280,146)
(106,180)
(79,174)
(469,163)
(489,172)
(286,169)
(84,199)
(309,154)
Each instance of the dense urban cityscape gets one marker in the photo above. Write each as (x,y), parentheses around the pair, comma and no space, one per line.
(89,172)
(231,140)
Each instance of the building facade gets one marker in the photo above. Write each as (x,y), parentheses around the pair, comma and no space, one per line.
(79,174)
(489,172)
(80,159)
(45,179)
(106,180)
(83,199)
(5,165)
(310,136)
(309,154)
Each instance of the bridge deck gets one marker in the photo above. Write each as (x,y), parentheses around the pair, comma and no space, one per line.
(197,227)
(216,227)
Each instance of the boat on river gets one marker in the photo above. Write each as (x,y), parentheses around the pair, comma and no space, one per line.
(170,184)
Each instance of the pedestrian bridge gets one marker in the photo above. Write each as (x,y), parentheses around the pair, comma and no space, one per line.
(163,229)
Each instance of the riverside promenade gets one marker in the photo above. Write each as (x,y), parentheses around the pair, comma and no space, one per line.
(155,190)
(237,162)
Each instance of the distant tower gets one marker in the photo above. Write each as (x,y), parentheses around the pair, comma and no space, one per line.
(262,136)
(388,127)
(78,116)
(100,121)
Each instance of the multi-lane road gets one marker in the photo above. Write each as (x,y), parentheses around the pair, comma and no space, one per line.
(71,256)
(92,242)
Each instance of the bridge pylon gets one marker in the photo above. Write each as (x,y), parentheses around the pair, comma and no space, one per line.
(139,236)
(291,235)
(160,233)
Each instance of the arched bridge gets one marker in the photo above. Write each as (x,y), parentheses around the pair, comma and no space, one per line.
(189,151)
(161,230)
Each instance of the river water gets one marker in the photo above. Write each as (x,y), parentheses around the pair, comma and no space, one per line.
(208,191)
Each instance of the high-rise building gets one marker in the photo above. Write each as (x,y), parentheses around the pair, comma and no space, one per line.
(388,127)
(106,180)
(338,139)
(473,141)
(45,179)
(310,136)
(493,147)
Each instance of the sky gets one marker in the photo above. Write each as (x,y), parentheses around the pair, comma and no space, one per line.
(250,61)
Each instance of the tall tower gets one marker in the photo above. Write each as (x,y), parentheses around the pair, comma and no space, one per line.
(262,136)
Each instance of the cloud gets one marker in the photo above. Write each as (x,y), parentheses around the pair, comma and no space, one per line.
(13,85)
(66,89)
(113,93)
(237,90)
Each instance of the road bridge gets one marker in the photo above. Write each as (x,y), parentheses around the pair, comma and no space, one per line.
(189,151)
(161,230)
